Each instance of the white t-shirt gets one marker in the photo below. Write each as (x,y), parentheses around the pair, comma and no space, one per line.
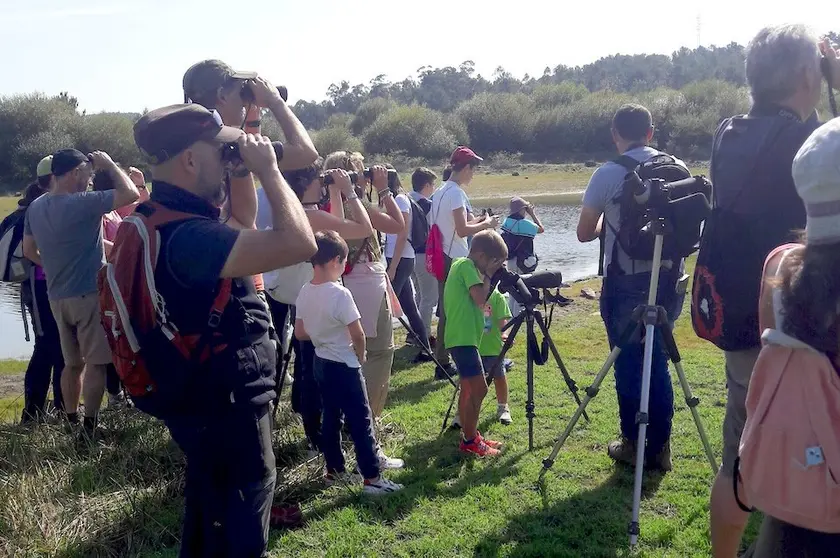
(445,200)
(391,239)
(326,310)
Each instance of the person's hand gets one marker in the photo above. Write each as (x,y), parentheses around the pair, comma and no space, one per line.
(529,209)
(493,266)
(492,221)
(136,176)
(264,92)
(257,153)
(101,160)
(380,178)
(392,273)
(362,357)
(341,181)
(832,55)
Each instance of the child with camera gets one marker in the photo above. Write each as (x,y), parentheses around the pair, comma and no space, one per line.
(328,316)
(466,292)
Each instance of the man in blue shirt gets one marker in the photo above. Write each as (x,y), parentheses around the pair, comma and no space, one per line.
(625,286)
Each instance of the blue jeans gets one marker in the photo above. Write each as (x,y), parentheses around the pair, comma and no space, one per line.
(229,483)
(620,295)
(343,392)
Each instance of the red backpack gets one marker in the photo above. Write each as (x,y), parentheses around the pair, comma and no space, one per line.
(153,359)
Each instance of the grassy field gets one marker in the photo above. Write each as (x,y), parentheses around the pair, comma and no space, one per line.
(123,497)
(554,183)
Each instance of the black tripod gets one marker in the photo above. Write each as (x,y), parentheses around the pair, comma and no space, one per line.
(530,316)
(651,318)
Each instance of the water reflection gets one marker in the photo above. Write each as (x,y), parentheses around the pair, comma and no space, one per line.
(557,248)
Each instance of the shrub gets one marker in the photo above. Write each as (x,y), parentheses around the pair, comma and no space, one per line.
(414,129)
(498,121)
(112,133)
(335,139)
(368,112)
(549,96)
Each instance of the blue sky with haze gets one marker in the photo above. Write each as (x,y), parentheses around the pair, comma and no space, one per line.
(127,55)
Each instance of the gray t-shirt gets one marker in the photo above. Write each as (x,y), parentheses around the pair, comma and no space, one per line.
(603,188)
(68,231)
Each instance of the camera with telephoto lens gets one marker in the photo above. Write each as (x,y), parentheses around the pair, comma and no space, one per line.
(368,173)
(247,93)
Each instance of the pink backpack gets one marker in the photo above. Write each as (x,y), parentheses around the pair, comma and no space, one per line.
(789,458)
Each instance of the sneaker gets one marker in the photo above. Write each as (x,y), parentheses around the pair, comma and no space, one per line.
(386,462)
(503,415)
(478,447)
(456,423)
(380,487)
(343,478)
(662,461)
(422,358)
(622,451)
(492,443)
(285,516)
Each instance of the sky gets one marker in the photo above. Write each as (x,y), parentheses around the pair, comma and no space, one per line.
(122,55)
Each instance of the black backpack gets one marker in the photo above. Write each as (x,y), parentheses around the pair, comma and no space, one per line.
(14,267)
(630,232)
(419,224)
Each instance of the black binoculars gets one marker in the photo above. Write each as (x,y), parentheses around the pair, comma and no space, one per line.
(247,93)
(368,173)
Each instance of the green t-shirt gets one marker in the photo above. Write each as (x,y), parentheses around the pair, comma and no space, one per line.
(495,311)
(464,320)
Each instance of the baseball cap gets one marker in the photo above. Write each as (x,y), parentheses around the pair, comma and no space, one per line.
(816,174)
(517,204)
(44,166)
(209,75)
(165,132)
(65,160)
(464,156)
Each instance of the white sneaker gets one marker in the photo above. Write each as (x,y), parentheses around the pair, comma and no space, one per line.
(456,423)
(386,462)
(345,478)
(503,414)
(117,401)
(382,486)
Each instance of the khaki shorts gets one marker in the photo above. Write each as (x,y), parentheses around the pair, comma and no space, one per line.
(739,367)
(82,337)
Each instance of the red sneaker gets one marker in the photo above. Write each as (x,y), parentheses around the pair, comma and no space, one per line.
(285,516)
(491,443)
(478,447)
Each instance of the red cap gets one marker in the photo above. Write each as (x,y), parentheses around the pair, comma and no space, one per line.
(464,156)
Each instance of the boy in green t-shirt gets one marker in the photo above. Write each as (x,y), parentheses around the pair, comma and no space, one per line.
(465,293)
(496,315)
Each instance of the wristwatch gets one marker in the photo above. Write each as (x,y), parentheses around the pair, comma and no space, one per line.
(353,196)
(385,192)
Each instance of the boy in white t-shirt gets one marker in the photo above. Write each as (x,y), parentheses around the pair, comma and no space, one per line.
(328,316)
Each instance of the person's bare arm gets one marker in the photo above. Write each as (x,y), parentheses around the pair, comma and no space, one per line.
(537,222)
(832,55)
(589,224)
(336,201)
(357,336)
(30,250)
(300,331)
(348,229)
(464,229)
(291,240)
(480,293)
(391,221)
(107,245)
(125,192)
(298,150)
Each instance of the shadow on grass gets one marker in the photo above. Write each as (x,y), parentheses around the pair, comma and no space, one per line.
(589,523)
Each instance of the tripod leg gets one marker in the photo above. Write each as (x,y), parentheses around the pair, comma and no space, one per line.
(572,385)
(690,400)
(449,410)
(642,421)
(426,350)
(529,376)
(590,393)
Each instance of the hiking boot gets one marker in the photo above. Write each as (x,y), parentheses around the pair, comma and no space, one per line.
(386,462)
(380,487)
(441,373)
(503,414)
(422,358)
(623,451)
(478,447)
(662,461)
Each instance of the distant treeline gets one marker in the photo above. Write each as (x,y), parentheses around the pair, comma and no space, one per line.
(564,115)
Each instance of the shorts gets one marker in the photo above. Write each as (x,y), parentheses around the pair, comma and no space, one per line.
(467,361)
(80,329)
(488,362)
(739,367)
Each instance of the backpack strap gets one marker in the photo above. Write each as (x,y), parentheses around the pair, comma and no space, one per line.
(627,162)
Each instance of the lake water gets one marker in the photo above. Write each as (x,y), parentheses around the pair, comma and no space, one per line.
(558,249)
